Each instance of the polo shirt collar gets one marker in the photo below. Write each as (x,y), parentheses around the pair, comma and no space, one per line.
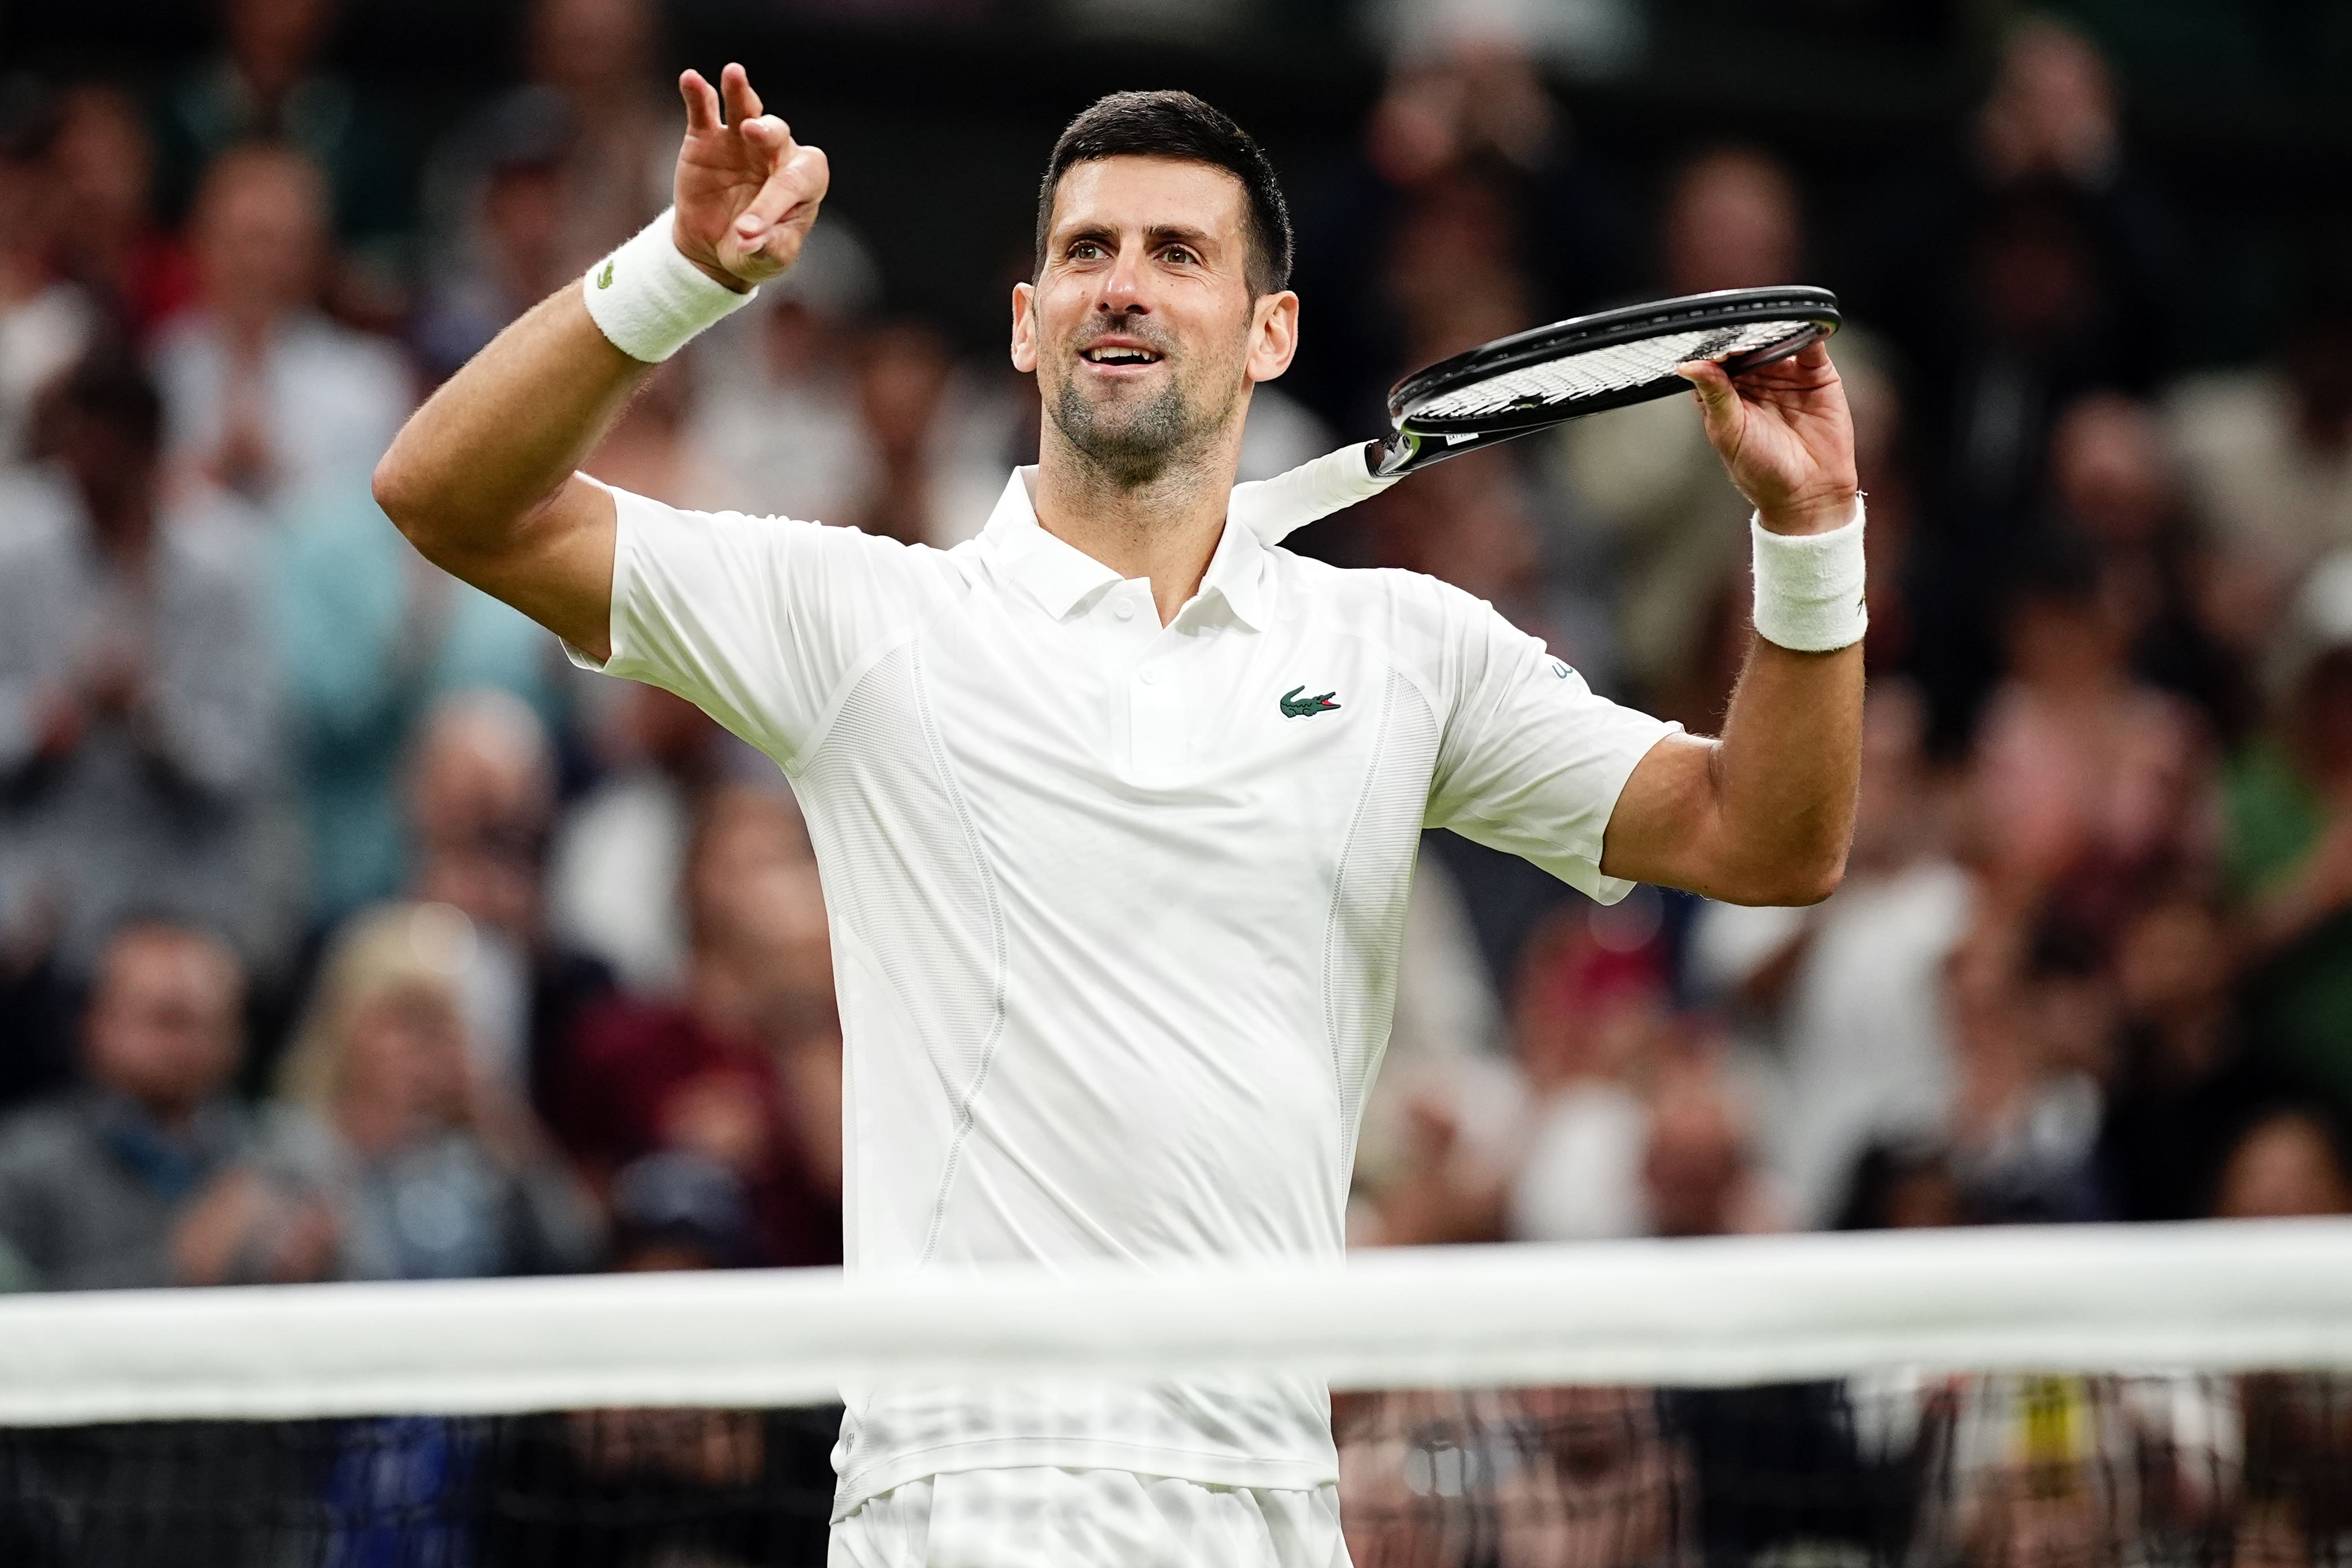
(1062,576)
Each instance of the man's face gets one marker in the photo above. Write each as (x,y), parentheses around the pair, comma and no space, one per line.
(1141,327)
(259,231)
(162,1024)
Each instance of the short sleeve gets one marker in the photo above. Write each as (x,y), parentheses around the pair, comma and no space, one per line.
(1531,761)
(754,620)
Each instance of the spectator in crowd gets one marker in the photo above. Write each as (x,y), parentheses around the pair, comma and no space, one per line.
(676,1210)
(2288,809)
(2116,487)
(143,1174)
(650,452)
(2030,1014)
(2089,785)
(2043,266)
(1591,1019)
(105,236)
(903,371)
(2289,1164)
(434,1169)
(2185,1084)
(706,1074)
(505,253)
(46,321)
(619,864)
(265,395)
(2268,450)
(1675,530)
(369,637)
(592,65)
(269,83)
(1700,1175)
(1472,205)
(481,803)
(1851,989)
(788,361)
(1902,1184)
(138,716)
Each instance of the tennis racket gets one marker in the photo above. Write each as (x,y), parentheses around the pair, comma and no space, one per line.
(1533,380)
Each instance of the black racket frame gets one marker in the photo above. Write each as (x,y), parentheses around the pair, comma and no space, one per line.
(1416,441)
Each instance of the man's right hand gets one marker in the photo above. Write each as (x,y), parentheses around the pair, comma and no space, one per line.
(746,192)
(483,481)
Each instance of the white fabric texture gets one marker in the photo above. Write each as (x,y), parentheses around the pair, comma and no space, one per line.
(1047,1517)
(1808,586)
(650,300)
(1115,907)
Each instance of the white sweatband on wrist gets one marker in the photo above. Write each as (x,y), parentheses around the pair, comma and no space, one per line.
(1273,509)
(1808,586)
(651,301)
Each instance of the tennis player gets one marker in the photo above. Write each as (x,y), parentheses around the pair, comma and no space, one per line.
(1116,806)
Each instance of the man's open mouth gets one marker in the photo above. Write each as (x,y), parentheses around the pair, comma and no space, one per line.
(1117,354)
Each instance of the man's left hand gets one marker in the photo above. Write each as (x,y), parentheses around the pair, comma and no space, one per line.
(1785,436)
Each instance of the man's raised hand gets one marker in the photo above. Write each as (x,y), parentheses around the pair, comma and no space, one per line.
(746,192)
(1785,436)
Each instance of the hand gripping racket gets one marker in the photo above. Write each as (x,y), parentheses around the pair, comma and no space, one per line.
(1534,380)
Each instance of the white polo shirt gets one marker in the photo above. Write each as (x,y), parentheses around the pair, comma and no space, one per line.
(1115,906)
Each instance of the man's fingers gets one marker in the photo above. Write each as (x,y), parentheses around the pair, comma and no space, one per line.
(701,103)
(772,136)
(1718,400)
(1708,379)
(801,181)
(742,103)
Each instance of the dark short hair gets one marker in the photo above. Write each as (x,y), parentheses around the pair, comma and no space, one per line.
(107,387)
(1179,125)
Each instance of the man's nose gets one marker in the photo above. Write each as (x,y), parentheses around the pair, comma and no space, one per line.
(1123,288)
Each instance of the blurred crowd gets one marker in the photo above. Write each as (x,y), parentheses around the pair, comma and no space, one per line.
(347,933)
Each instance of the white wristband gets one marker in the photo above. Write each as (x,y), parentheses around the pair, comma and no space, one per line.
(650,300)
(1808,586)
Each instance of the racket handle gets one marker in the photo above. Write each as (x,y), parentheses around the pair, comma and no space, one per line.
(1275,509)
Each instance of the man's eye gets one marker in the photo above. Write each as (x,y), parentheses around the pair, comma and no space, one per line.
(1178,253)
(1084,250)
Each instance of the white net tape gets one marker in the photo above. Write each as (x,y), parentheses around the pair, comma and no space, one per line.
(1600,371)
(2083,1300)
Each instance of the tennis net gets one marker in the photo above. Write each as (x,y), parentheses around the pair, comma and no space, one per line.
(2151,1394)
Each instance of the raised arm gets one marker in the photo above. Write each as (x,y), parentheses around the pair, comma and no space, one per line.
(1764,814)
(482,479)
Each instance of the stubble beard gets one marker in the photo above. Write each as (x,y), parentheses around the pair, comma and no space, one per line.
(1152,439)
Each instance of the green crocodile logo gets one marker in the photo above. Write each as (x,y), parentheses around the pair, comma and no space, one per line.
(604,278)
(1296,707)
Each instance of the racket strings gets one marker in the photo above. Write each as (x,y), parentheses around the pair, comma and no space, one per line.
(1597,371)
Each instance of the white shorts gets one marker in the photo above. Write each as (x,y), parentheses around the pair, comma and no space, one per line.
(1041,1517)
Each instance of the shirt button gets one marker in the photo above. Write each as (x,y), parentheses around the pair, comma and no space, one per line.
(1124,611)
(1150,678)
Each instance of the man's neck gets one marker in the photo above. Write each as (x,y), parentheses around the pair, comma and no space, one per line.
(1165,529)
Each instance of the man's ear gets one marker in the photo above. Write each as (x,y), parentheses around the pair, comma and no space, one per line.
(1274,335)
(1024,327)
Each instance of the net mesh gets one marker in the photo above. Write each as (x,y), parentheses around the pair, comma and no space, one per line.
(1618,368)
(2107,1418)
(1990,1469)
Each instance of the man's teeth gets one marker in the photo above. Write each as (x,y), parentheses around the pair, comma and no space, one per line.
(1121,356)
